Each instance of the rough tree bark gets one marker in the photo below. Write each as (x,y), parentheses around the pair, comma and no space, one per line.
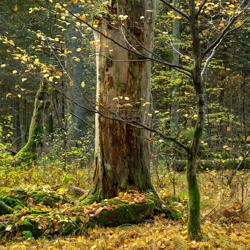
(122,154)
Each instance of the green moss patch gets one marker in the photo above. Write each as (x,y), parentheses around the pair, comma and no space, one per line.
(37,216)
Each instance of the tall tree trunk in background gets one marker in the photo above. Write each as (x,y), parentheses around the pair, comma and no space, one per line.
(122,155)
(22,128)
(18,134)
(74,66)
(176,60)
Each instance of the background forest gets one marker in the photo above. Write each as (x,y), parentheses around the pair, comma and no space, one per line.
(144,89)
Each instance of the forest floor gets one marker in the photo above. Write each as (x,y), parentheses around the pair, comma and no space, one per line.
(225,214)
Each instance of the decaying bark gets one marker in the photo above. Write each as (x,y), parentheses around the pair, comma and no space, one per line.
(122,154)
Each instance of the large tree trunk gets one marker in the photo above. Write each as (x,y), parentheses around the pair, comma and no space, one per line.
(122,154)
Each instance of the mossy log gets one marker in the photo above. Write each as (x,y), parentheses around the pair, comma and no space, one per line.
(215,164)
(5,209)
(33,220)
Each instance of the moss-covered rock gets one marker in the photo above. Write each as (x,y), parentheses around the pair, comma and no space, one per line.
(125,214)
(33,220)
(19,198)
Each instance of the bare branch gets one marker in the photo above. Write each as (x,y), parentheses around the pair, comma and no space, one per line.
(176,67)
(133,123)
(208,60)
(176,9)
(200,8)
(219,39)
(80,119)
(173,139)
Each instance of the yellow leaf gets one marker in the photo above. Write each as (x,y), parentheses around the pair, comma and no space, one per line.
(77,59)
(8,228)
(3,65)
(96,22)
(83,17)
(24,79)
(19,95)
(126,98)
(14,71)
(237,25)
(74,37)
(105,32)
(74,1)
(144,104)
(225,146)
(57,39)
(228,129)
(78,24)
(92,42)
(16,86)
(83,84)
(157,111)
(205,144)
(8,94)
(205,32)
(15,9)
(78,50)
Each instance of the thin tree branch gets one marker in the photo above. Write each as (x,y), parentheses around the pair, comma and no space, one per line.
(237,215)
(129,122)
(200,8)
(176,9)
(219,39)
(173,139)
(81,119)
(177,67)
(208,60)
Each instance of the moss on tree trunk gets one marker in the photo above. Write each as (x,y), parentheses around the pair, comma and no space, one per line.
(29,152)
(193,201)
